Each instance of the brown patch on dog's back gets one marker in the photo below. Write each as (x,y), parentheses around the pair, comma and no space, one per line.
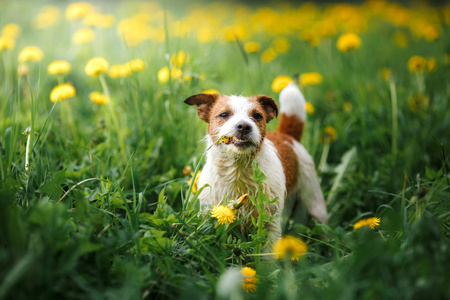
(289,160)
(291,125)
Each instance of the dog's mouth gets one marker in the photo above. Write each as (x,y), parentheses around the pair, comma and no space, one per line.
(232,140)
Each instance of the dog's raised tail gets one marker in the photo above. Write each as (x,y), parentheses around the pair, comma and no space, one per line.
(292,111)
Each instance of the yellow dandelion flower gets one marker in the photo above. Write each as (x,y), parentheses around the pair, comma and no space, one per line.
(268,55)
(186,78)
(310,36)
(48,16)
(289,245)
(12,30)
(309,108)
(134,31)
(78,10)
(326,28)
(206,34)
(100,20)
(99,98)
(348,41)
(252,47)
(59,67)
(311,78)
(83,36)
(417,64)
(224,140)
(137,65)
(348,107)
(329,134)
(371,222)
(280,82)
(386,74)
(6,42)
(91,19)
(241,201)
(163,74)
(106,21)
(194,183)
(431,64)
(211,91)
(96,66)
(179,59)
(62,91)
(281,45)
(31,53)
(117,71)
(418,102)
(223,214)
(249,282)
(229,33)
(430,32)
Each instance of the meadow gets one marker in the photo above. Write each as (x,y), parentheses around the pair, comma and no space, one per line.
(99,154)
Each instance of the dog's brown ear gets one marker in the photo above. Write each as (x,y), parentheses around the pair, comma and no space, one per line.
(269,105)
(204,102)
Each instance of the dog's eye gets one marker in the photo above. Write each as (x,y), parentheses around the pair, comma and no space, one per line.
(257,116)
(224,115)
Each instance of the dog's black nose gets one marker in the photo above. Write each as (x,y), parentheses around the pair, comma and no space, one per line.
(243,128)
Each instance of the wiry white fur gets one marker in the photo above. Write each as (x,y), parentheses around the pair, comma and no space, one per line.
(230,177)
(292,101)
(308,185)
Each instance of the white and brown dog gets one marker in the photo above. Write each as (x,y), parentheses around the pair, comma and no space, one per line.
(285,162)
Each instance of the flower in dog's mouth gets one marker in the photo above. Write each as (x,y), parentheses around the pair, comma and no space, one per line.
(223,214)
(227,140)
(289,245)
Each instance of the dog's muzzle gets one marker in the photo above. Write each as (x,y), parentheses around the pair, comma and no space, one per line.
(243,130)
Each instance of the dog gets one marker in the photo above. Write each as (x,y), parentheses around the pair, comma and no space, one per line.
(237,135)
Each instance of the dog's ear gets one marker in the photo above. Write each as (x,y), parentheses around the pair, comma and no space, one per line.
(269,105)
(204,102)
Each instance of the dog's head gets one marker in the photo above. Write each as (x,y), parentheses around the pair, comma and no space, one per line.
(236,124)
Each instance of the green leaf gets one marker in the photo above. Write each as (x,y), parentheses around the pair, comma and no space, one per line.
(154,241)
(8,142)
(346,161)
(53,187)
(163,210)
(258,175)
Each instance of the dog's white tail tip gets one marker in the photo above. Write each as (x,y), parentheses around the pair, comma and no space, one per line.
(292,101)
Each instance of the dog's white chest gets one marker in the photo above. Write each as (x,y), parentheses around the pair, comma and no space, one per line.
(230,178)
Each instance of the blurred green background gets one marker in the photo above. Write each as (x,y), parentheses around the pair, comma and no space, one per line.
(83,210)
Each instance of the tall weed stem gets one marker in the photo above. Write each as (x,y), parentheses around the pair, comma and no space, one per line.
(393,91)
(114,119)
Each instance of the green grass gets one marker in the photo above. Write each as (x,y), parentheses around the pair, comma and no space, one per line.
(93,217)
